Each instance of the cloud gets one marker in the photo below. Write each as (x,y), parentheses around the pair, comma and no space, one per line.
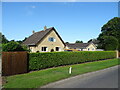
(30,10)
(33,7)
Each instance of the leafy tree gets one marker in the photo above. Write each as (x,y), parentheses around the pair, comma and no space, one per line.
(110,43)
(24,39)
(111,28)
(13,46)
(90,40)
(4,40)
(79,41)
(19,41)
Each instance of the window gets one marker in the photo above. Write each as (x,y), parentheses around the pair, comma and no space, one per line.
(57,48)
(88,49)
(44,49)
(51,39)
(93,49)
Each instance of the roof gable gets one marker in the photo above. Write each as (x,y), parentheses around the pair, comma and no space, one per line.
(92,44)
(35,38)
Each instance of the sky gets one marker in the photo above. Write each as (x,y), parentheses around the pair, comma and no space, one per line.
(72,20)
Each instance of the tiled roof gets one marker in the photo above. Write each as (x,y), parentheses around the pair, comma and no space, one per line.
(77,45)
(35,38)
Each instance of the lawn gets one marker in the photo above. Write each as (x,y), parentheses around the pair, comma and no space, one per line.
(36,79)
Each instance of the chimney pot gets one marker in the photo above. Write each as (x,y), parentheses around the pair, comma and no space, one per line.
(33,31)
(45,27)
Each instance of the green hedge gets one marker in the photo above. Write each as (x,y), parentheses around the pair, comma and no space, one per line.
(53,59)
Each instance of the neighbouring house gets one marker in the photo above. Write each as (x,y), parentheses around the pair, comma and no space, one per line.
(47,40)
(81,46)
(95,42)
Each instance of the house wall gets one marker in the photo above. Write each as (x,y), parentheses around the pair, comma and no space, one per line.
(48,44)
(91,47)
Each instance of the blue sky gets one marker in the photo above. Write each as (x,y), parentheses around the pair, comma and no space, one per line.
(73,20)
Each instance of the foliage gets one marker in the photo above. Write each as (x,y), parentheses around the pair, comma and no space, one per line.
(79,41)
(20,42)
(90,40)
(110,43)
(3,38)
(13,46)
(24,39)
(95,41)
(45,60)
(111,28)
(37,79)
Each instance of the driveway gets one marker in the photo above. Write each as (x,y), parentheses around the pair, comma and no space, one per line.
(106,78)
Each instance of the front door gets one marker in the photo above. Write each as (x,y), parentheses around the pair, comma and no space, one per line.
(52,50)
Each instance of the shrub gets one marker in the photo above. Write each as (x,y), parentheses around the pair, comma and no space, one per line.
(13,46)
(53,59)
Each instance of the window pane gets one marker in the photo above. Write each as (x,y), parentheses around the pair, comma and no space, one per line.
(44,48)
(51,39)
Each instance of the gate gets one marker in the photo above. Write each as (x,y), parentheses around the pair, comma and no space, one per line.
(14,63)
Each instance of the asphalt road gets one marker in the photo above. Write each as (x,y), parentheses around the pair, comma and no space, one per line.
(107,78)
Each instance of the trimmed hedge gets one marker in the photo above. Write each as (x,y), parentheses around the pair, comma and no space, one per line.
(53,59)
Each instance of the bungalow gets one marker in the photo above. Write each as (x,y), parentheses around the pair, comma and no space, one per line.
(81,46)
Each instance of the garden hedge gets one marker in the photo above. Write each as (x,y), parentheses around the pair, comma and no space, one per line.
(39,61)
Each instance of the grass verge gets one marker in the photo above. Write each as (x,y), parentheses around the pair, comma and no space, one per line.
(39,78)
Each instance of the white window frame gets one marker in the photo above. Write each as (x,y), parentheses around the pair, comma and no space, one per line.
(54,40)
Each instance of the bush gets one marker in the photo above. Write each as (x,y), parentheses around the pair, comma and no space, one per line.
(13,46)
(53,59)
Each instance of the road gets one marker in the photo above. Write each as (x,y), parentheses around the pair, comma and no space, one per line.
(107,78)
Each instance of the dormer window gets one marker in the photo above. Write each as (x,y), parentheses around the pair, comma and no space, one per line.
(51,39)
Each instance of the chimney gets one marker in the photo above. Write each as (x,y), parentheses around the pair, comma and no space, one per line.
(45,27)
(33,31)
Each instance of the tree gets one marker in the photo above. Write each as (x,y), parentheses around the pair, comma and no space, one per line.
(79,41)
(110,43)
(13,46)
(111,28)
(19,41)
(24,39)
(4,40)
(90,40)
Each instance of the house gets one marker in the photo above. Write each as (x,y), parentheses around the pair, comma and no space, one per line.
(95,42)
(47,40)
(81,46)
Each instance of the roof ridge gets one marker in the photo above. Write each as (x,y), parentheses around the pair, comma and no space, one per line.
(45,29)
(37,36)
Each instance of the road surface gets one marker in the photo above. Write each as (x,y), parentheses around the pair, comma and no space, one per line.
(107,78)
